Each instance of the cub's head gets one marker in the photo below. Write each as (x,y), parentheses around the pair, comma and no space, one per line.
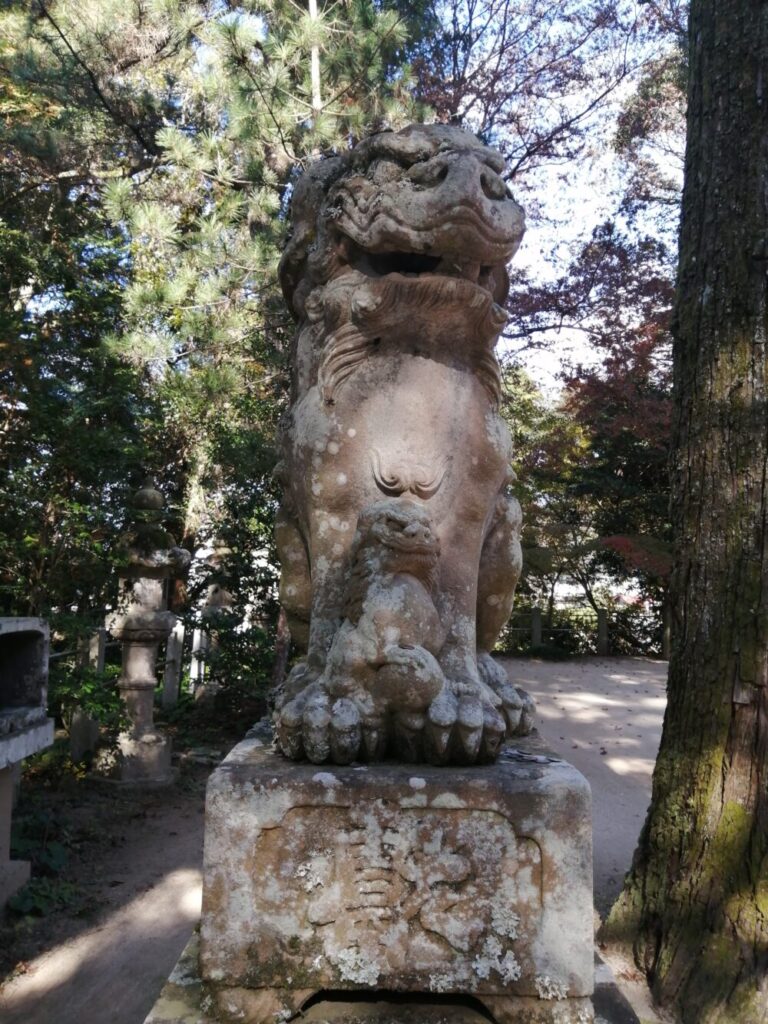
(393,537)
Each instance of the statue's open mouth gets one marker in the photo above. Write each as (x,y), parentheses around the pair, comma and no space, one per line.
(490,278)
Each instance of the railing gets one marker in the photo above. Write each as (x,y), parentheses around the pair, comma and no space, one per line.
(535,629)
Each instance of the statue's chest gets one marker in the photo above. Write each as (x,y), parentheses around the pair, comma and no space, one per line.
(408,425)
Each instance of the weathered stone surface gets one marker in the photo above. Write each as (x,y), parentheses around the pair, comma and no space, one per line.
(398,537)
(24,648)
(13,875)
(17,744)
(393,878)
(183,1001)
(24,726)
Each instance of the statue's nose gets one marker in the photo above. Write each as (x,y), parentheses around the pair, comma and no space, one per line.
(477,178)
(415,530)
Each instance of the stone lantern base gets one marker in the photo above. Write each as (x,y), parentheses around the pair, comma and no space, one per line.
(145,759)
(137,761)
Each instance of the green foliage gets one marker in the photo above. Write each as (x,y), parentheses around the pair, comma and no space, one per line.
(147,154)
(43,896)
(40,836)
(74,688)
(53,768)
(571,631)
(147,158)
(568,632)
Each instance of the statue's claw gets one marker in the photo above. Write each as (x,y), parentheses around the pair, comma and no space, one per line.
(320,728)
(345,731)
(469,727)
(408,736)
(374,739)
(469,720)
(314,726)
(494,730)
(517,706)
(316,729)
(289,732)
(337,721)
(441,719)
(290,719)
(528,716)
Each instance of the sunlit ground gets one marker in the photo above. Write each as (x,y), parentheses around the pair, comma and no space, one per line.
(113,972)
(605,717)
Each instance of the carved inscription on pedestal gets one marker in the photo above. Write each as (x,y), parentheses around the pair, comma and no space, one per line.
(393,897)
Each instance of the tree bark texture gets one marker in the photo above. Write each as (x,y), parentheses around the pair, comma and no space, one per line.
(695,904)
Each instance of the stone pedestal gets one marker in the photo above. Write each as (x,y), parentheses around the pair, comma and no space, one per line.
(464,882)
(13,873)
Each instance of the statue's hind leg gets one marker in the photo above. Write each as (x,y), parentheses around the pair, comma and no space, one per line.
(501,562)
(295,580)
(296,598)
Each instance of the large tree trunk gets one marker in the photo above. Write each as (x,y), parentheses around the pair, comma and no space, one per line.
(695,905)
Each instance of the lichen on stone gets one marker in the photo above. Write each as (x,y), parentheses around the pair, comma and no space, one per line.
(504,921)
(442,982)
(495,958)
(354,967)
(549,989)
(311,879)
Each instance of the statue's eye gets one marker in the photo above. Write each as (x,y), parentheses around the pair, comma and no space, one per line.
(383,171)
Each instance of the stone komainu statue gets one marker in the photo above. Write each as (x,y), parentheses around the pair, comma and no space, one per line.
(399,544)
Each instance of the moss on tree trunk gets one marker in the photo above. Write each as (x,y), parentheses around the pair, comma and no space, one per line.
(695,904)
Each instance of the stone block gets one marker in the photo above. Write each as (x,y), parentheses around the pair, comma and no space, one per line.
(84,733)
(17,744)
(145,759)
(140,760)
(13,873)
(465,882)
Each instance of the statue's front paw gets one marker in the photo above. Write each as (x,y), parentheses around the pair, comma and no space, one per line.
(517,706)
(463,726)
(299,679)
(322,729)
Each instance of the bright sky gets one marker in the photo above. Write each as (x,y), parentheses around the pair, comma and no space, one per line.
(572,203)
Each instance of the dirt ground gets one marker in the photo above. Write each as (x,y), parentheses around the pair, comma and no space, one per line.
(605,717)
(134,860)
(135,864)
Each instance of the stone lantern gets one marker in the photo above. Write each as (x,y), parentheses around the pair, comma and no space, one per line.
(141,622)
